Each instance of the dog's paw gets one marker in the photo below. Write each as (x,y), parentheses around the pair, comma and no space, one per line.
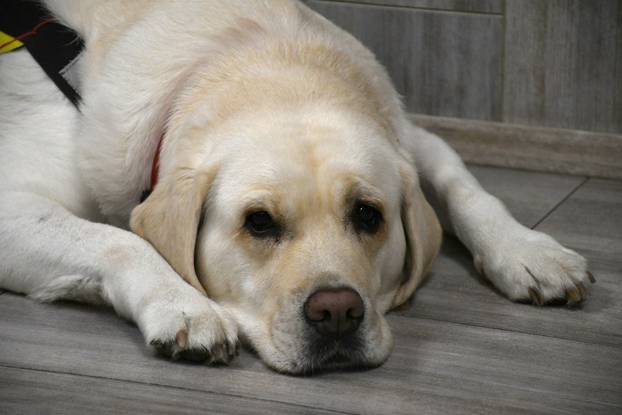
(530,266)
(201,331)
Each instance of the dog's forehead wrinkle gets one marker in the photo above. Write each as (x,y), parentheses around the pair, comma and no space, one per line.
(309,177)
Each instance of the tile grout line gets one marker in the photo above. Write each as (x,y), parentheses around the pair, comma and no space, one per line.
(558,204)
(159,385)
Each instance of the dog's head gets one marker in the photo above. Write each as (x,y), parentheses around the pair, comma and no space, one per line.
(307,225)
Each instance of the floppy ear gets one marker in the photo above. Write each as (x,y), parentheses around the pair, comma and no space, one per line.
(423,235)
(169,219)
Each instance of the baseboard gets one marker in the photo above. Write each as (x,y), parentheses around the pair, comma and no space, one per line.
(574,152)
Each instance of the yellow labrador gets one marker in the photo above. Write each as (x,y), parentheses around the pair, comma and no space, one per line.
(288,210)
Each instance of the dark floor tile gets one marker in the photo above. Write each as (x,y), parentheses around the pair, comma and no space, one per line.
(528,195)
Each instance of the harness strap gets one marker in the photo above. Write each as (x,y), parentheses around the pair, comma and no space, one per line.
(53,46)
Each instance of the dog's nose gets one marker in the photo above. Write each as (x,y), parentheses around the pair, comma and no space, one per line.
(334,312)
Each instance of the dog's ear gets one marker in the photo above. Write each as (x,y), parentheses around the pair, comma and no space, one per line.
(423,235)
(169,219)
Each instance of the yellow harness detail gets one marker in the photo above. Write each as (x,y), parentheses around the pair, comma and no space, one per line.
(8,43)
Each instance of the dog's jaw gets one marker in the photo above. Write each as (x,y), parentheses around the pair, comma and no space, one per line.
(287,345)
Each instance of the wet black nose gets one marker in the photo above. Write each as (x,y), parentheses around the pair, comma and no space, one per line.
(334,312)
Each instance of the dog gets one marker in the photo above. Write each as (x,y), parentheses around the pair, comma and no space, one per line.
(288,213)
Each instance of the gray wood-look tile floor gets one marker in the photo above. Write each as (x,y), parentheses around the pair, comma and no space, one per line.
(460,347)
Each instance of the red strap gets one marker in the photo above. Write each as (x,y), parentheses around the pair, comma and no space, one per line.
(155,166)
(27,34)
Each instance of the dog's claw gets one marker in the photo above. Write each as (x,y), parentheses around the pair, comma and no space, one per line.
(591,277)
(232,350)
(574,295)
(536,296)
(181,338)
(582,290)
(178,349)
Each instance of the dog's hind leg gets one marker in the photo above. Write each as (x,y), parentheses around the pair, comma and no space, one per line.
(49,254)
(522,263)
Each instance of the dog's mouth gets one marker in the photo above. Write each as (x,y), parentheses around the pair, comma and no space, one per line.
(326,354)
(291,345)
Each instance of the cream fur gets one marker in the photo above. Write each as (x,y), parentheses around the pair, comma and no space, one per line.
(262,104)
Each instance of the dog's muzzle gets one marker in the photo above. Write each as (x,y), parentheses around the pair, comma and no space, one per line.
(333,316)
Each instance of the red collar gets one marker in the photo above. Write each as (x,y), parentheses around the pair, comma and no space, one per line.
(155,167)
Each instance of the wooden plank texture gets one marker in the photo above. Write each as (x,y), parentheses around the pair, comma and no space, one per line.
(529,196)
(562,64)
(551,63)
(436,367)
(531,148)
(590,222)
(442,63)
(30,391)
(474,6)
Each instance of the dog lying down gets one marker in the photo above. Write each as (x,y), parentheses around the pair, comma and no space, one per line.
(288,212)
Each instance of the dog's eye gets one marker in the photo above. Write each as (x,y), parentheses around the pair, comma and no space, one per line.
(261,225)
(366,218)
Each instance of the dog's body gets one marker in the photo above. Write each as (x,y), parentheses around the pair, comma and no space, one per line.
(286,186)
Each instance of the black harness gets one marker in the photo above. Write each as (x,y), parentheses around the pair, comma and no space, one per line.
(55,47)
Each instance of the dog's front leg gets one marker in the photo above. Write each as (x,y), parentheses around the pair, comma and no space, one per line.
(522,263)
(50,254)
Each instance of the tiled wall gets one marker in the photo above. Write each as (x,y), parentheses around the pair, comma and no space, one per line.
(552,63)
